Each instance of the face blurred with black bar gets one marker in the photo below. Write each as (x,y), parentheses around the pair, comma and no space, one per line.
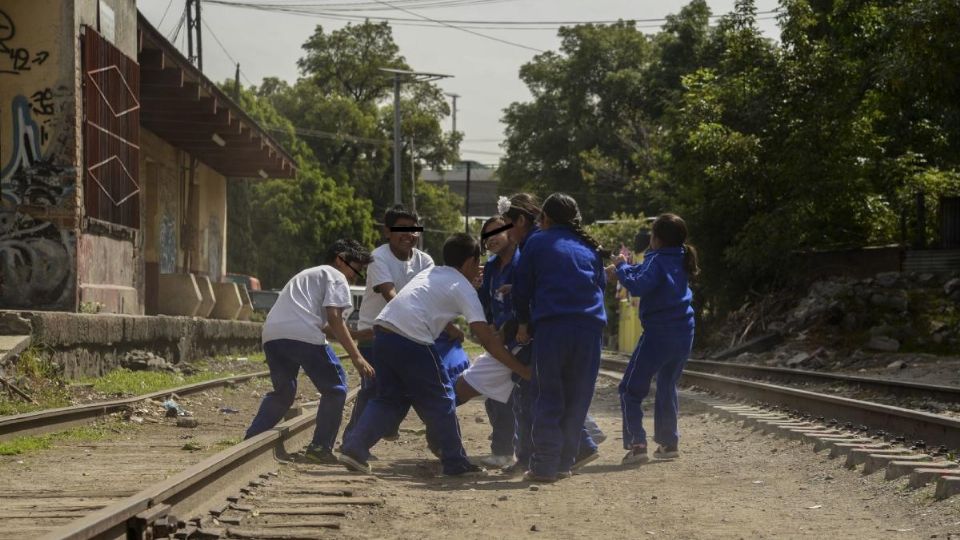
(403,242)
(497,243)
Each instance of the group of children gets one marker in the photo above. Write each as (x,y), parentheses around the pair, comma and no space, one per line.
(536,307)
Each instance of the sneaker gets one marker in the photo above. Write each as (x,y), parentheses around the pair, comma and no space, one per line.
(530,476)
(666,452)
(469,471)
(636,456)
(353,464)
(513,470)
(498,462)
(321,455)
(582,461)
(392,437)
(563,475)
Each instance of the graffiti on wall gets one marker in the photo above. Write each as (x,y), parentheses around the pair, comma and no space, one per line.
(168,244)
(37,162)
(36,262)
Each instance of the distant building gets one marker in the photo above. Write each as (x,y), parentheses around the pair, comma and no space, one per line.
(115,153)
(483,185)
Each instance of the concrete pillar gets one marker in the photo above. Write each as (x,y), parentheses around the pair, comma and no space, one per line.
(179,295)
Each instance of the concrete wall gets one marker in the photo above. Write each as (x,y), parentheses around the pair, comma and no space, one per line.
(92,345)
(39,155)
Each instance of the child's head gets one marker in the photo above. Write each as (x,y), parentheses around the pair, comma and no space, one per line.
(349,257)
(521,210)
(461,251)
(670,231)
(398,217)
(562,209)
(496,243)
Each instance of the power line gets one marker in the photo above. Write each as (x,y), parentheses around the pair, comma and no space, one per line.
(164,17)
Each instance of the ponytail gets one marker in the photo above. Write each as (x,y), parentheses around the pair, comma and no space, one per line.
(577,227)
(691,263)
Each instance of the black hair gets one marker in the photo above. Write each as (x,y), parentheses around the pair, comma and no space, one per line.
(491,219)
(671,231)
(352,251)
(458,248)
(398,212)
(523,204)
(562,209)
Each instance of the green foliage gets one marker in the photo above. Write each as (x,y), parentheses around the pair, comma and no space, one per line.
(35,443)
(820,141)
(443,219)
(126,382)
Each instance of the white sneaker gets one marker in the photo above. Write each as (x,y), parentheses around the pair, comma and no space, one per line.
(498,462)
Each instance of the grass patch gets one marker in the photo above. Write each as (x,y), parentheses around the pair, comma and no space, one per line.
(35,443)
(226,443)
(44,384)
(126,382)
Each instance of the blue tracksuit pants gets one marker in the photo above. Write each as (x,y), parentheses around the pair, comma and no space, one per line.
(368,389)
(503,424)
(285,357)
(566,361)
(660,354)
(410,374)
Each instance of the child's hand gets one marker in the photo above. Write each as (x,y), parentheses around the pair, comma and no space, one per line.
(523,337)
(526,373)
(621,258)
(611,273)
(505,289)
(455,334)
(364,368)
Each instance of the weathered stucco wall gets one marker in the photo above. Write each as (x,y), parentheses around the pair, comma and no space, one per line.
(92,345)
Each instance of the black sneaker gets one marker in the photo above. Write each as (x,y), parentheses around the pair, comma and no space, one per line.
(636,456)
(468,471)
(322,456)
(583,460)
(666,452)
(531,476)
(516,469)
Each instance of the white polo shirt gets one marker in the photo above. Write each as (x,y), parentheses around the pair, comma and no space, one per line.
(432,299)
(300,311)
(387,268)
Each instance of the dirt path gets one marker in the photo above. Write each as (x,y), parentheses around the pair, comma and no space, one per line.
(729,483)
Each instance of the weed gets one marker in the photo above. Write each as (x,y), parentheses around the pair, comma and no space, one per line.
(35,443)
(126,382)
(226,443)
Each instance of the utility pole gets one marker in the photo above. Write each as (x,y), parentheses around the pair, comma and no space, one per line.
(411,76)
(454,111)
(236,85)
(193,27)
(466,209)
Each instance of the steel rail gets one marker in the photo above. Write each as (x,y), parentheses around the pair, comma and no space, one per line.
(48,420)
(213,479)
(943,393)
(932,429)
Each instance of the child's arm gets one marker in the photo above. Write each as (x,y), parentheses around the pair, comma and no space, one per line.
(639,279)
(522,290)
(340,331)
(492,343)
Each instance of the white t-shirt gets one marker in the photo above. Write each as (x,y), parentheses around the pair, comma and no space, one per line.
(387,268)
(432,299)
(300,311)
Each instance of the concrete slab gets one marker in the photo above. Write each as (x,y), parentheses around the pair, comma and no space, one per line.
(947,486)
(858,456)
(896,469)
(11,345)
(875,462)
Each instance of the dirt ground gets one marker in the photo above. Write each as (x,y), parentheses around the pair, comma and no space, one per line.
(729,483)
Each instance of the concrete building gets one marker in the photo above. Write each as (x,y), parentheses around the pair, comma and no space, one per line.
(483,185)
(115,153)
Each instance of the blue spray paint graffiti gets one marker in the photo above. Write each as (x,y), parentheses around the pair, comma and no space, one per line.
(27,178)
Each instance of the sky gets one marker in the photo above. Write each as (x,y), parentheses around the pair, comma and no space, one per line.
(484,71)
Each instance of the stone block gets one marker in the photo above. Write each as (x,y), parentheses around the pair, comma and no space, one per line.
(209,296)
(947,486)
(896,469)
(875,462)
(179,295)
(228,303)
(247,310)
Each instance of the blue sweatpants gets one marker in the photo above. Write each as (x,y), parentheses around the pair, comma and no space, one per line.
(663,354)
(368,389)
(410,374)
(503,423)
(566,361)
(285,357)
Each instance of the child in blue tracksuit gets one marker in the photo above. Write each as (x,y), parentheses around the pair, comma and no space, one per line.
(668,324)
(559,286)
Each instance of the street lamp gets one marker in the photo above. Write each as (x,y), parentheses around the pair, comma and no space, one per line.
(411,76)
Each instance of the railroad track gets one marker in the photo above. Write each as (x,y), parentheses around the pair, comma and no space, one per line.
(853,414)
(50,420)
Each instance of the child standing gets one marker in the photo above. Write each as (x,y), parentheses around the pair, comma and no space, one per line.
(394,265)
(559,287)
(661,282)
(410,367)
(293,337)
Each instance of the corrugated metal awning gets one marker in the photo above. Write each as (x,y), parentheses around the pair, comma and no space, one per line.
(190,112)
